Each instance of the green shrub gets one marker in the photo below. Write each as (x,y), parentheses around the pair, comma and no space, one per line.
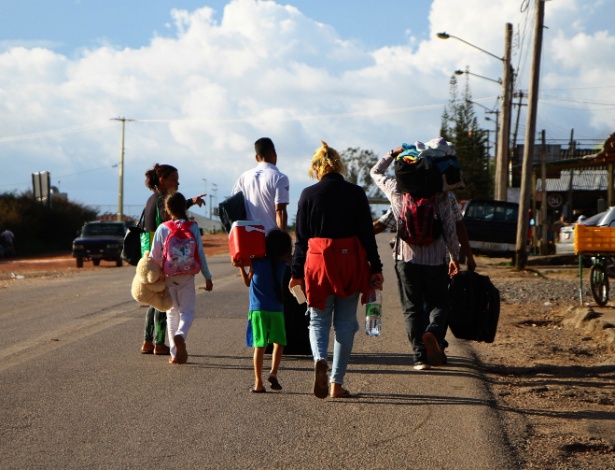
(39,228)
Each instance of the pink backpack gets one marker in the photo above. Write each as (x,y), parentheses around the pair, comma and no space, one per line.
(180,254)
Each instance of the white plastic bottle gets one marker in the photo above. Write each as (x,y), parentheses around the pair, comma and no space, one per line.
(373,313)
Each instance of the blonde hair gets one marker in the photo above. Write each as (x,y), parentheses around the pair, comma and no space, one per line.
(325,160)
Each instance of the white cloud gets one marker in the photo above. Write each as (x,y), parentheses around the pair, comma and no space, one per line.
(204,92)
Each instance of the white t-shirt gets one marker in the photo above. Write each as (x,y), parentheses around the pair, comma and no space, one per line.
(263,187)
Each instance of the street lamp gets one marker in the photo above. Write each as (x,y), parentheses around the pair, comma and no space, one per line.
(214,188)
(447,36)
(501,163)
(497,118)
(461,72)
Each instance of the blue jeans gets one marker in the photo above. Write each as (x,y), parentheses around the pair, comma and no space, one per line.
(421,286)
(343,313)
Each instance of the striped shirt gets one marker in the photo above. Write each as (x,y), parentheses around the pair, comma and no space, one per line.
(457,215)
(436,253)
(388,220)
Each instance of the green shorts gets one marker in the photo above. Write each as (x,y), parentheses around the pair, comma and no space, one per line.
(267,327)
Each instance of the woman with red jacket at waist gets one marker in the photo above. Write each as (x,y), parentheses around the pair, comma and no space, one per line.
(335,260)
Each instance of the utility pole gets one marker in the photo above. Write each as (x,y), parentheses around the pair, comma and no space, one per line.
(530,136)
(569,205)
(544,239)
(503,150)
(120,193)
(214,188)
(514,142)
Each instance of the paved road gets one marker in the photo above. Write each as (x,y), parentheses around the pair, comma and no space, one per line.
(76,393)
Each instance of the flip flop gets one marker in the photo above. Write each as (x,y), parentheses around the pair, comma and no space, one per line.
(181,355)
(275,385)
(344,394)
(434,353)
(253,390)
(321,382)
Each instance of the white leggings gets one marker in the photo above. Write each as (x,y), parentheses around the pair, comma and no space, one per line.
(181,314)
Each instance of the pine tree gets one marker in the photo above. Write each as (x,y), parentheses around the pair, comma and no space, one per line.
(460,126)
(357,163)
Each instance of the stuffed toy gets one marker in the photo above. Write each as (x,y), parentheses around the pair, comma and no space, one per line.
(148,285)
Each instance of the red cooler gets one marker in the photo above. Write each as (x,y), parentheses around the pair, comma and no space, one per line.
(247,241)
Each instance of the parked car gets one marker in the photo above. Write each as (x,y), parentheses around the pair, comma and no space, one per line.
(608,219)
(100,240)
(492,227)
(565,242)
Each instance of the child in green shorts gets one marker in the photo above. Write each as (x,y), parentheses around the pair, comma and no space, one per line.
(266,315)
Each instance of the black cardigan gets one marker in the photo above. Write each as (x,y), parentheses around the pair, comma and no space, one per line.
(334,208)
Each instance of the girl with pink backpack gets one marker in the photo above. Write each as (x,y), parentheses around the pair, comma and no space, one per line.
(178,248)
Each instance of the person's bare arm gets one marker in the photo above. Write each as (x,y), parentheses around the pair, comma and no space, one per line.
(379,227)
(246,276)
(281,216)
(462,235)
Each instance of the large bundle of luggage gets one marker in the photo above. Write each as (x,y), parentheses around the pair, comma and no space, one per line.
(422,171)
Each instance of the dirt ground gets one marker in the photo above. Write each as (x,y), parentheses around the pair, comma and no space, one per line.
(63,263)
(553,386)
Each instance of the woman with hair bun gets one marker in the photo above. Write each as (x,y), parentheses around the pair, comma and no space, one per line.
(161,180)
(335,261)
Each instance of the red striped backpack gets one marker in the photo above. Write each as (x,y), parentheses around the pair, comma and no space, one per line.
(419,223)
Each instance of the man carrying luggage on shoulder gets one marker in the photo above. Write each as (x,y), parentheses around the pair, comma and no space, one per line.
(422,271)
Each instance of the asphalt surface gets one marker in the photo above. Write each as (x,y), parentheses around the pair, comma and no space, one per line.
(76,393)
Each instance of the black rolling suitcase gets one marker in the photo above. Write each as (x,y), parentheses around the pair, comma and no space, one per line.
(474,307)
(296,323)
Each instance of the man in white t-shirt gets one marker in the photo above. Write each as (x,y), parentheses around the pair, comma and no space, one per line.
(265,188)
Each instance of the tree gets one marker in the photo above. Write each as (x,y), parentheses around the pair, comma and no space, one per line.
(39,228)
(460,126)
(358,162)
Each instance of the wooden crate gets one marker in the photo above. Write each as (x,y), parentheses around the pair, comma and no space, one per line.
(593,239)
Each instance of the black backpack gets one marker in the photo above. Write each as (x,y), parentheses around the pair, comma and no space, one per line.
(231,210)
(418,177)
(474,307)
(427,175)
(131,249)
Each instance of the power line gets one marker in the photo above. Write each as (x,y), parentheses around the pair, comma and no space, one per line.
(576,100)
(55,132)
(63,176)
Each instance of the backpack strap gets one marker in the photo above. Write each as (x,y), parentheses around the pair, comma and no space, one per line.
(159,218)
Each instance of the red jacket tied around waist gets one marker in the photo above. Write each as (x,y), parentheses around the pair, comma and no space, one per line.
(335,266)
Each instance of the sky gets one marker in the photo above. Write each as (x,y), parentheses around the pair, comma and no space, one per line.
(200,81)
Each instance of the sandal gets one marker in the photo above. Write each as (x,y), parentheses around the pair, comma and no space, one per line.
(321,382)
(343,394)
(275,384)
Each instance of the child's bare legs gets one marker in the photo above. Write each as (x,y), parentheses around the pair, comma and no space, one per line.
(259,353)
(276,358)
